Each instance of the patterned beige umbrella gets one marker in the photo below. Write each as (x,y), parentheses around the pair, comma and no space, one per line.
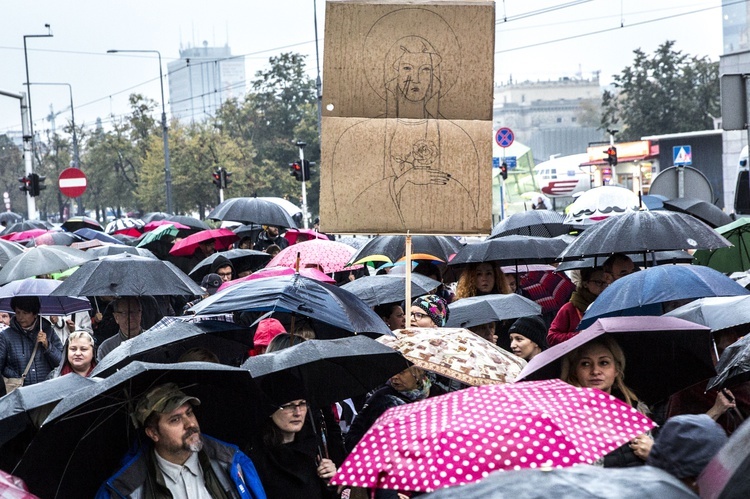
(456,353)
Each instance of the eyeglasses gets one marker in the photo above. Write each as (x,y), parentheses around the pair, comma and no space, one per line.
(292,408)
(599,283)
(418,315)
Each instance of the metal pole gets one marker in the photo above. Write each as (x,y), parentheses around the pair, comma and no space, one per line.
(164,128)
(301,146)
(318,83)
(30,202)
(28,88)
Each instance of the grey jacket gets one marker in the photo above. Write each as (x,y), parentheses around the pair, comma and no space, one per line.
(16,346)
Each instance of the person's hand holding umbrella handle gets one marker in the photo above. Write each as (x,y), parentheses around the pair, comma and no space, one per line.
(41,337)
(326,469)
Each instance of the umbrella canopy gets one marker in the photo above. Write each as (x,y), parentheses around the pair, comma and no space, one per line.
(166,232)
(25,225)
(326,370)
(508,250)
(54,238)
(222,238)
(476,310)
(42,260)
(464,436)
(248,230)
(578,481)
(644,232)
(116,249)
(734,365)
(192,222)
(80,222)
(252,210)
(718,313)
(538,223)
(154,215)
(727,475)
(128,226)
(297,295)
(8,249)
(288,206)
(30,405)
(240,258)
(91,234)
(301,235)
(600,203)
(128,275)
(13,487)
(640,259)
(653,201)
(25,235)
(732,259)
(164,345)
(704,211)
(328,256)
(456,353)
(310,273)
(10,218)
(643,292)
(41,288)
(663,354)
(389,288)
(158,223)
(392,248)
(97,423)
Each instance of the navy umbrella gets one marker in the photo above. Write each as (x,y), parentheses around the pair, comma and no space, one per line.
(643,292)
(325,304)
(89,234)
(389,288)
(42,288)
(538,223)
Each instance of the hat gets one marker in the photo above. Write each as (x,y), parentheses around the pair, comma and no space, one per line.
(532,327)
(435,307)
(267,330)
(211,283)
(162,399)
(686,443)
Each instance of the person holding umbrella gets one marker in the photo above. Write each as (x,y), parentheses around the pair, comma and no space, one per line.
(563,327)
(29,349)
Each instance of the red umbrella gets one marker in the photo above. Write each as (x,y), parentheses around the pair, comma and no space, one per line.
(25,235)
(223,238)
(310,272)
(329,256)
(301,235)
(158,223)
(465,435)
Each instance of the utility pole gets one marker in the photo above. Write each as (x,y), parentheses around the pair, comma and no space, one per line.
(30,201)
(28,87)
(301,146)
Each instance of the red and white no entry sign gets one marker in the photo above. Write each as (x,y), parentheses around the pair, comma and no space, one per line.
(72,182)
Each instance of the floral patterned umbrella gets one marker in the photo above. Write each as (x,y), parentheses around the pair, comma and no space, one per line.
(328,256)
(456,353)
(465,435)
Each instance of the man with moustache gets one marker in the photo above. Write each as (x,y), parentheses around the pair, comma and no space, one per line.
(181,463)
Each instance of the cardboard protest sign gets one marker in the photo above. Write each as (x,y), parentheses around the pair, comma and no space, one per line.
(407,117)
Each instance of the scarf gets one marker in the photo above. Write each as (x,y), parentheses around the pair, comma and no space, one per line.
(582,298)
(419,393)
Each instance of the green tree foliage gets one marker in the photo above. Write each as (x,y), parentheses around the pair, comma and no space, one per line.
(669,92)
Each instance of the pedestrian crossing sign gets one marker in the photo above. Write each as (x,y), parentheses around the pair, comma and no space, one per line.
(682,155)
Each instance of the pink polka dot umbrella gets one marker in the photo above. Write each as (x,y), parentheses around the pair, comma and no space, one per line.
(328,256)
(465,435)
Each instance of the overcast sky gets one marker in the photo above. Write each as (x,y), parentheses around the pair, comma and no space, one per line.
(85,29)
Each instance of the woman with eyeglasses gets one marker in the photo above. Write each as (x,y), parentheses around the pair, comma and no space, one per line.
(429,311)
(563,327)
(287,458)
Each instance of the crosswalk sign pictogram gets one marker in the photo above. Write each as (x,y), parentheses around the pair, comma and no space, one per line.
(682,155)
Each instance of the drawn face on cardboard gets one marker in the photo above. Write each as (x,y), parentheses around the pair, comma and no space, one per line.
(415,75)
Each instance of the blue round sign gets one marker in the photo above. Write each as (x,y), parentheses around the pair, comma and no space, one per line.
(504,137)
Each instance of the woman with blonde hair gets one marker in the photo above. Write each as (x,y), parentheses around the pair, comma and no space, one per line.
(481,279)
(600,363)
(79,355)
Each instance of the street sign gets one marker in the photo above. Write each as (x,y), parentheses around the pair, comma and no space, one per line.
(72,182)
(504,137)
(682,156)
(511,162)
(495,162)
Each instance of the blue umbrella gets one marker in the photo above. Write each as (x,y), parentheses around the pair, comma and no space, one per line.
(89,234)
(326,305)
(642,293)
(41,288)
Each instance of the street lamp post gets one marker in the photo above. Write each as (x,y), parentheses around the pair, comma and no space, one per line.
(76,157)
(28,90)
(164,129)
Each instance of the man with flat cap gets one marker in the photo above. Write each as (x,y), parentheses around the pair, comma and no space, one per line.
(182,463)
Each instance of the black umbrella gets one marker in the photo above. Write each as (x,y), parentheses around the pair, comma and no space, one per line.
(734,365)
(644,232)
(700,209)
(390,288)
(335,312)
(476,310)
(512,250)
(8,249)
(326,370)
(54,238)
(42,260)
(252,210)
(74,223)
(538,223)
(10,218)
(227,340)
(85,437)
(24,226)
(248,230)
(128,275)
(242,259)
(154,215)
(574,482)
(640,259)
(192,222)
(116,249)
(393,248)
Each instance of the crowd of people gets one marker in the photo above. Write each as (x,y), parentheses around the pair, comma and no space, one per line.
(284,458)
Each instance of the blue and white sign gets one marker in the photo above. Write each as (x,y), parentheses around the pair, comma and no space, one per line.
(504,137)
(495,162)
(511,162)
(682,155)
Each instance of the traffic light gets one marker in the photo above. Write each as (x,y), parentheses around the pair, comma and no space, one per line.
(306,170)
(217,178)
(25,184)
(295,170)
(226,178)
(36,184)
(611,153)
(504,171)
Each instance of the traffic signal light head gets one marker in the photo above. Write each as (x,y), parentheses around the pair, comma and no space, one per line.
(504,171)
(611,153)
(25,184)
(36,184)
(217,178)
(227,178)
(295,170)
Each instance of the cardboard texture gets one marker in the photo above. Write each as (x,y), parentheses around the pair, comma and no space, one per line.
(407,117)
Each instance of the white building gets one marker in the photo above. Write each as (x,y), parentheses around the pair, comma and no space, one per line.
(202,80)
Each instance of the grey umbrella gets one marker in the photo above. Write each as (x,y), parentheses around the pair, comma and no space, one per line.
(128,275)
(378,289)
(512,250)
(538,223)
(252,210)
(42,260)
(8,249)
(640,259)
(470,312)
(241,259)
(116,249)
